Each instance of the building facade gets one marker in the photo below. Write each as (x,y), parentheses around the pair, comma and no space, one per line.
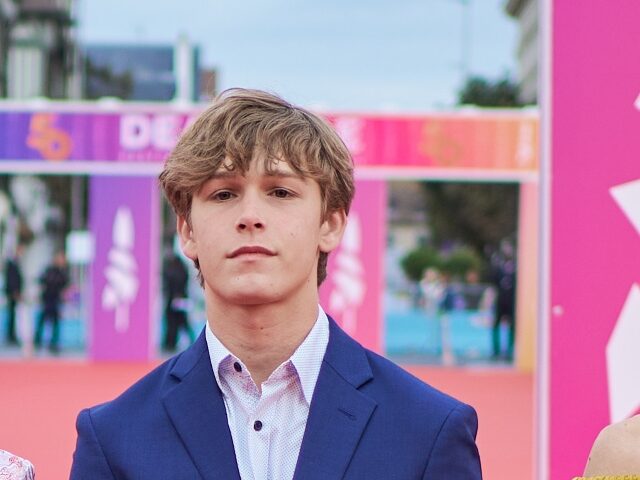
(38,55)
(157,73)
(526,12)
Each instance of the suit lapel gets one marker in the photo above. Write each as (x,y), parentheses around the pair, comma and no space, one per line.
(197,411)
(339,412)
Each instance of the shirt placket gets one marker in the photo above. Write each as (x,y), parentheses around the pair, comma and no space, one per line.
(261,428)
(288,425)
(246,400)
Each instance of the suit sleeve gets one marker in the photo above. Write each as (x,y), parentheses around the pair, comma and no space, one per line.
(89,461)
(455,454)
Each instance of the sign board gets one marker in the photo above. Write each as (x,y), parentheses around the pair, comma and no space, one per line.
(84,139)
(354,288)
(105,141)
(124,214)
(595,231)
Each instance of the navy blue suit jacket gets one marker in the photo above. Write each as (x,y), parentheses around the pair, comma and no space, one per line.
(368,419)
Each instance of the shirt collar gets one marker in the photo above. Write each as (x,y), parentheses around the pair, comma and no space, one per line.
(308,356)
(218,353)
(307,359)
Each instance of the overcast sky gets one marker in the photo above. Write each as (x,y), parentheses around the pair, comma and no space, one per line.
(371,55)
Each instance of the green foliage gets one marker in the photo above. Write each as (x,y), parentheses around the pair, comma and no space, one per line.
(460,261)
(486,93)
(456,263)
(473,214)
(417,261)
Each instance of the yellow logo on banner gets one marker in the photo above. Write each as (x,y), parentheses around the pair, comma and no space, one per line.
(444,150)
(51,142)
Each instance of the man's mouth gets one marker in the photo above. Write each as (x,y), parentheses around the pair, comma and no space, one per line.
(251,250)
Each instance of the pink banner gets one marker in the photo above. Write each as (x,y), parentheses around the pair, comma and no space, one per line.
(124,220)
(470,141)
(595,272)
(352,292)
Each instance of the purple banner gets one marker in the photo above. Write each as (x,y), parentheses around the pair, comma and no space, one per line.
(124,214)
(65,136)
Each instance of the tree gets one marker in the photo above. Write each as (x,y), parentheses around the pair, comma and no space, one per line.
(487,93)
(461,261)
(478,215)
(418,260)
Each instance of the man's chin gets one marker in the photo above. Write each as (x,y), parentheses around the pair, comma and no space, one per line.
(253,299)
(249,295)
(254,291)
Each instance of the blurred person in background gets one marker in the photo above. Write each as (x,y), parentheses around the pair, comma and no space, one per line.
(53,283)
(432,290)
(175,280)
(503,268)
(13,291)
(473,290)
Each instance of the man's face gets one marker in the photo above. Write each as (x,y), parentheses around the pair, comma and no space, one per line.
(257,236)
(59,260)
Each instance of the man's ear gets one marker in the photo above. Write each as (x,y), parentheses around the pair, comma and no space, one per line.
(332,229)
(187,242)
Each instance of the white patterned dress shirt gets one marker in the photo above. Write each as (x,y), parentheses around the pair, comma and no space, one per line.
(267,427)
(13,467)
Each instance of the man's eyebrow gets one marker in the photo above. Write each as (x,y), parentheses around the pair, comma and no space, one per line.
(273,173)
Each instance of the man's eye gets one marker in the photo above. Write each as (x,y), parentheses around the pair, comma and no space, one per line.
(221,196)
(281,193)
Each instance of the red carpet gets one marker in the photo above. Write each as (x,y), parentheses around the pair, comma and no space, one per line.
(39,401)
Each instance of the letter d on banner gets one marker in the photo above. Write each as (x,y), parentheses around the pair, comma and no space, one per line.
(124,220)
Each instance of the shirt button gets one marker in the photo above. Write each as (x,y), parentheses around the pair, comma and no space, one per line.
(237,367)
(257,425)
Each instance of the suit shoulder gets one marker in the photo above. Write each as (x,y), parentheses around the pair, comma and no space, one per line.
(408,408)
(397,382)
(146,393)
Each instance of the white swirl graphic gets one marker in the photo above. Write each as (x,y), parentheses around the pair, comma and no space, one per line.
(348,277)
(121,272)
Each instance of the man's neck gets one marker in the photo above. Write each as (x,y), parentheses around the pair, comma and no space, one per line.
(264,336)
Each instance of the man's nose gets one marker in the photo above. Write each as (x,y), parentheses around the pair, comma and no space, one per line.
(250,217)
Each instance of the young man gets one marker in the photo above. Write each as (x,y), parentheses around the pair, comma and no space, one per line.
(273,388)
